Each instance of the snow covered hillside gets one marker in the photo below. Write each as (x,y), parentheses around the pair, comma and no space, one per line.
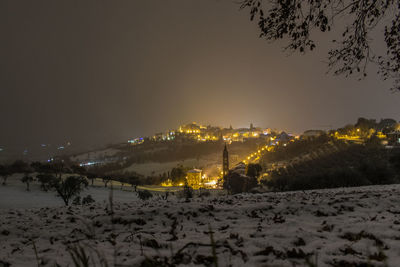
(336,227)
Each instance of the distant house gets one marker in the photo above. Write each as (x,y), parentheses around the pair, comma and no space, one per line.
(193,178)
(394,138)
(240,168)
(312,134)
(283,137)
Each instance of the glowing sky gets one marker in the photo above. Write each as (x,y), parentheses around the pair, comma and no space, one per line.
(93,72)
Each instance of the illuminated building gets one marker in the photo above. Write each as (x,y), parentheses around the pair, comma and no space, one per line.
(193,178)
(136,141)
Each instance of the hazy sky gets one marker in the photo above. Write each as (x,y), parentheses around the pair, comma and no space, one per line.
(96,72)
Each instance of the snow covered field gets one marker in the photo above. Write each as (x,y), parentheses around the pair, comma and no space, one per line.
(15,196)
(337,227)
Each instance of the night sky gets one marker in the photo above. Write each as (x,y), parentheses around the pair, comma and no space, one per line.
(93,73)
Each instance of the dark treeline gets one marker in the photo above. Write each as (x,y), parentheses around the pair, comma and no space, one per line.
(168,151)
(300,147)
(326,162)
(354,165)
(55,169)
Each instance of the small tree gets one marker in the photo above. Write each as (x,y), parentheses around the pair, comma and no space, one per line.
(20,166)
(254,170)
(69,187)
(92,177)
(27,179)
(134,181)
(57,168)
(178,175)
(106,180)
(4,173)
(122,181)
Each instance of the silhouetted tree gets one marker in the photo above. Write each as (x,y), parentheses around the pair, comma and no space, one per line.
(365,124)
(178,175)
(133,181)
(92,177)
(38,167)
(234,183)
(253,170)
(106,180)
(57,167)
(122,180)
(299,21)
(27,179)
(19,166)
(5,171)
(69,187)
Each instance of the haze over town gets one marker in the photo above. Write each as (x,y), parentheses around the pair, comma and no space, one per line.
(133,69)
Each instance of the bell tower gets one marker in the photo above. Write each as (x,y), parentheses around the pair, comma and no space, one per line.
(225,162)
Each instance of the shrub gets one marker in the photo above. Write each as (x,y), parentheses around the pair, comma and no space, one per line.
(5,171)
(144,194)
(87,200)
(187,191)
(76,201)
(205,193)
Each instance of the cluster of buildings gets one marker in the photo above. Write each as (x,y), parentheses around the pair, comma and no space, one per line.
(359,136)
(196,179)
(201,133)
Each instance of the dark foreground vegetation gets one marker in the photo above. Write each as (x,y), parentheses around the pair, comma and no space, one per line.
(354,155)
(349,165)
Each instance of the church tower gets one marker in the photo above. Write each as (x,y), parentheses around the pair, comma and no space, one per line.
(225,162)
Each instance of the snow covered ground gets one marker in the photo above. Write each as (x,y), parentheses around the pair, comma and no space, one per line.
(336,227)
(15,196)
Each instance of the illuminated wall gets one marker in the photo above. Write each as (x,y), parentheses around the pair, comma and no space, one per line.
(193,178)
